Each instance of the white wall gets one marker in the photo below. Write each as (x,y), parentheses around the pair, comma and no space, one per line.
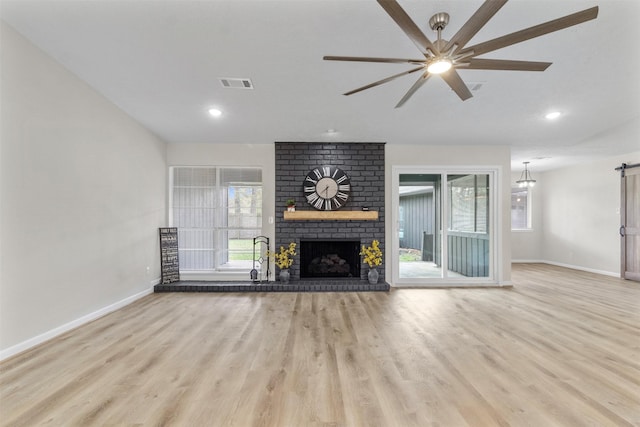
(526,245)
(581,217)
(253,155)
(445,156)
(83,194)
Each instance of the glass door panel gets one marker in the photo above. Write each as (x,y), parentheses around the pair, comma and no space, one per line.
(420,226)
(468,232)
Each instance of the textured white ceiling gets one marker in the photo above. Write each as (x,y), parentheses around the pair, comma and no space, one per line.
(160,62)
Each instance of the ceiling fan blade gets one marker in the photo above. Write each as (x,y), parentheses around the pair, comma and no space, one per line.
(475,23)
(423,78)
(379,82)
(532,32)
(454,80)
(407,25)
(504,64)
(370,59)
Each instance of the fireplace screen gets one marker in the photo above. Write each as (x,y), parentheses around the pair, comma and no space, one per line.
(329,258)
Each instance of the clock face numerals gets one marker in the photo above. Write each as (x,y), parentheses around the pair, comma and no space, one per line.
(327,188)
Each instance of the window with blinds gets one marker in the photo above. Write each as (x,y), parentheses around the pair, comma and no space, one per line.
(218,212)
(469,203)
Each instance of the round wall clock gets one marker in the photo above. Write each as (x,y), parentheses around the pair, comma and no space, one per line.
(327,188)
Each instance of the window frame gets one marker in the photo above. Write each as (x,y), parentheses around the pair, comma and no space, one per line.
(529,210)
(220,224)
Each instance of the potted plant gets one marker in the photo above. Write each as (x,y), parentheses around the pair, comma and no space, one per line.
(291,205)
(372,256)
(284,260)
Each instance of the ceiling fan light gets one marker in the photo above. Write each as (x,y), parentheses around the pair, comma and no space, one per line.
(439,66)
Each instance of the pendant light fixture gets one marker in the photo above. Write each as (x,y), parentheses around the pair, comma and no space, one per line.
(525,178)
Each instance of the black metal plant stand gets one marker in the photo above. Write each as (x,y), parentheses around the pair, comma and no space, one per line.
(260,241)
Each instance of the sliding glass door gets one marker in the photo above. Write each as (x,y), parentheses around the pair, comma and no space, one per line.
(444,226)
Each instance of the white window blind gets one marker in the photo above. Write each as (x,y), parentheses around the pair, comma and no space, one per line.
(469,203)
(217,211)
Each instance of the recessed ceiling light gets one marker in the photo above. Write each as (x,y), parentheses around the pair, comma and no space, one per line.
(553,115)
(215,112)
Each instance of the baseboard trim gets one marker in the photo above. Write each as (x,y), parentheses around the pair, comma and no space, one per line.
(32,342)
(573,267)
(588,270)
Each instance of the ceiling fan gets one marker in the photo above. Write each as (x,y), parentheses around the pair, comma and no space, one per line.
(444,57)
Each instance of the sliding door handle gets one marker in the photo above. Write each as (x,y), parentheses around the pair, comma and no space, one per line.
(622,231)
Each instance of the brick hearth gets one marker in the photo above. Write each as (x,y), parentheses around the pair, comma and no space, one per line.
(352,285)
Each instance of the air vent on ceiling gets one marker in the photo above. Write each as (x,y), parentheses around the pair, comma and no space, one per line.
(235,83)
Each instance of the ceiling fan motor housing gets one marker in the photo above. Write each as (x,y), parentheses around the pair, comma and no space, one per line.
(439,21)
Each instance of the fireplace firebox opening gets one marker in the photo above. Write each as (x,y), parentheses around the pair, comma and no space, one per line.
(329,259)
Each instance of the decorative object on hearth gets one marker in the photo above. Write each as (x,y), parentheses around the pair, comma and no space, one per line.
(259,241)
(284,260)
(285,275)
(169,264)
(327,188)
(446,57)
(372,256)
(373,276)
(525,177)
(291,205)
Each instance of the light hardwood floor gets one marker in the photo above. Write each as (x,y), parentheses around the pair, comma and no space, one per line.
(561,348)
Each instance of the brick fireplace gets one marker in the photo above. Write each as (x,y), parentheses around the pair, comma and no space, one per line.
(364,163)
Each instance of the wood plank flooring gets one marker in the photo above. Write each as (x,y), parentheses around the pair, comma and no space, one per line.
(561,348)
